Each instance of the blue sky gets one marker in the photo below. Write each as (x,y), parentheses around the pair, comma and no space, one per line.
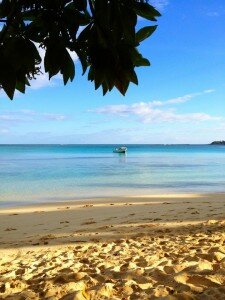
(179,99)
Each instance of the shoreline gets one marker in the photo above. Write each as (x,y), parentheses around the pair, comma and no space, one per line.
(18,223)
(119,247)
(79,200)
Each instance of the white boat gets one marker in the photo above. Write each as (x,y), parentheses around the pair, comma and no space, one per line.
(120,150)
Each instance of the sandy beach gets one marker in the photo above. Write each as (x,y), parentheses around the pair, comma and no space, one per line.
(149,247)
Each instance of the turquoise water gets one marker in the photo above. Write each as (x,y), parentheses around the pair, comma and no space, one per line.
(40,173)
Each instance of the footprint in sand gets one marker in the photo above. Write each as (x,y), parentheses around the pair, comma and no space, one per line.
(95,240)
(78,241)
(10,229)
(67,207)
(106,227)
(48,237)
(195,213)
(88,223)
(108,219)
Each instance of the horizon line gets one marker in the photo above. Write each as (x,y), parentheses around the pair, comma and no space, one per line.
(89,144)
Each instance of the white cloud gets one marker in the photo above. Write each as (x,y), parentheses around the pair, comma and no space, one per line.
(213,14)
(148,112)
(208,91)
(25,115)
(219,11)
(55,117)
(159,4)
(182,99)
(4,130)
(156,115)
(5,117)
(158,103)
(28,112)
(42,80)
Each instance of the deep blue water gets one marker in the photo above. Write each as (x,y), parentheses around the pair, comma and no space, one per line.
(35,173)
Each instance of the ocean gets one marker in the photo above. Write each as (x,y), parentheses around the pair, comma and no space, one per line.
(48,173)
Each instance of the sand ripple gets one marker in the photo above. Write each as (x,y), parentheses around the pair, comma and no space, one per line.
(170,265)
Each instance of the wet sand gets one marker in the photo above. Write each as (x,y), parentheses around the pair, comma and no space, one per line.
(149,247)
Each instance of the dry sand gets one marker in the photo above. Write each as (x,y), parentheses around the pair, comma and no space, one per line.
(158,247)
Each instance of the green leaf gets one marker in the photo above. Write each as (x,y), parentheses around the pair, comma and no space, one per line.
(53,57)
(129,21)
(8,81)
(102,33)
(139,60)
(81,4)
(122,86)
(146,11)
(91,74)
(143,62)
(133,77)
(83,59)
(105,87)
(144,33)
(20,86)
(21,81)
(85,33)
(68,68)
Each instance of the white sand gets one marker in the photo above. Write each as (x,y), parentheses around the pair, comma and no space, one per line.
(158,247)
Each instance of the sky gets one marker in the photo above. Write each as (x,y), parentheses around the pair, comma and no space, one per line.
(179,99)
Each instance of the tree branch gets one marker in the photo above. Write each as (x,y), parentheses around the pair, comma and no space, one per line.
(8,23)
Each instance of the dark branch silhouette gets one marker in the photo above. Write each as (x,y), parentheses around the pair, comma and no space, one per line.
(102,33)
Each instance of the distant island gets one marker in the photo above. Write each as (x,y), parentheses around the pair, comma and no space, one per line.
(218,143)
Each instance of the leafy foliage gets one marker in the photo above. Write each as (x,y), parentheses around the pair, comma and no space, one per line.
(101,32)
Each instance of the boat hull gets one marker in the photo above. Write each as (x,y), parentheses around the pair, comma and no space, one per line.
(119,151)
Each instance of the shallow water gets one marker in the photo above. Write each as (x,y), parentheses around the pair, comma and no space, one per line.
(36,173)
